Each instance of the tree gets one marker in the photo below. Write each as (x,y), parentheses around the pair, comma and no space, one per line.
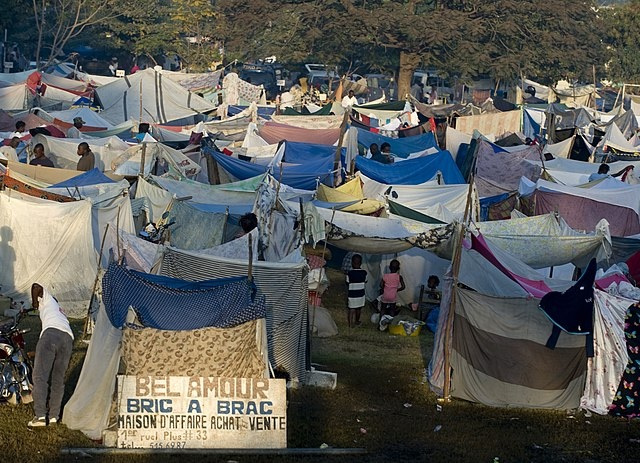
(621,39)
(58,21)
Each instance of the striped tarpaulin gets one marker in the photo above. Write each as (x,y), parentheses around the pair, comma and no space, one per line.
(285,287)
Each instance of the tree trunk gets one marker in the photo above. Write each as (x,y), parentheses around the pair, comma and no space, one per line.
(408,63)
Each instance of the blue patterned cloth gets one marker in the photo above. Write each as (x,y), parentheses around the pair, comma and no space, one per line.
(171,304)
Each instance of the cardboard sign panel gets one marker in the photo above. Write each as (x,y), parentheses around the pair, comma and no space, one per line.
(201,412)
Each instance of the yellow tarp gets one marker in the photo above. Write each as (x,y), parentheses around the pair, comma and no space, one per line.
(350,191)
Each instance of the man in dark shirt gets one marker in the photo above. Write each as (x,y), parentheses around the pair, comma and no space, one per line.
(384,155)
(39,158)
(87,159)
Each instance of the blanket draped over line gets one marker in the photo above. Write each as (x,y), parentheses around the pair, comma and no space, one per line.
(220,352)
(171,304)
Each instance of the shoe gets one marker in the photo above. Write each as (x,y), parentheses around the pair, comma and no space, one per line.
(53,420)
(38,422)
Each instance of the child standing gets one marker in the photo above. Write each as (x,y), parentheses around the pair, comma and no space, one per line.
(356,279)
(389,286)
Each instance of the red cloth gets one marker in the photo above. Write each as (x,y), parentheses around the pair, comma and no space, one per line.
(634,266)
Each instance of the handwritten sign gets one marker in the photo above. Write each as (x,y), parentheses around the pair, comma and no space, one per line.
(201,412)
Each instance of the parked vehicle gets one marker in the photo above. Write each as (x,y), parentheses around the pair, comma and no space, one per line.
(16,368)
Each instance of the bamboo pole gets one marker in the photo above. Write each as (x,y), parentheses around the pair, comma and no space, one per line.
(143,158)
(250,269)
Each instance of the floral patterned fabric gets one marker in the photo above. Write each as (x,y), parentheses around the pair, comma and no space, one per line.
(223,352)
(627,400)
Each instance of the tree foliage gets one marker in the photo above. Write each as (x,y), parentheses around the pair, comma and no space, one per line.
(622,41)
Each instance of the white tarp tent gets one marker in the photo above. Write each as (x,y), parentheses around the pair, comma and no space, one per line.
(64,151)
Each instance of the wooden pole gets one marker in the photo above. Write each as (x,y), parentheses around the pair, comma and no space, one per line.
(250,269)
(95,283)
(455,271)
(595,86)
(140,101)
(143,158)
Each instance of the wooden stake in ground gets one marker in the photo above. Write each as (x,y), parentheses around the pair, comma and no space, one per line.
(95,283)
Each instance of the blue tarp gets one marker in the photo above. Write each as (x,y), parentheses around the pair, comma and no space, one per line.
(302,176)
(91,177)
(530,127)
(264,112)
(402,147)
(486,203)
(167,303)
(301,153)
(413,171)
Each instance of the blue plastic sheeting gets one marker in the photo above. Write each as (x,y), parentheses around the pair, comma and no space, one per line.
(301,153)
(167,303)
(91,177)
(485,203)
(264,112)
(402,147)
(413,171)
(302,176)
(530,127)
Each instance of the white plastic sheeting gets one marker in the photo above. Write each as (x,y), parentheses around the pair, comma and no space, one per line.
(128,163)
(13,98)
(64,151)
(163,100)
(49,243)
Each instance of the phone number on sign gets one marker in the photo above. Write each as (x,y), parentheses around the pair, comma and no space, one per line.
(167,445)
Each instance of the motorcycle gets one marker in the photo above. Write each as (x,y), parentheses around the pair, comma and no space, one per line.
(16,368)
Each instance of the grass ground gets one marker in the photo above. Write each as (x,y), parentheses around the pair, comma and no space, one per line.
(382,404)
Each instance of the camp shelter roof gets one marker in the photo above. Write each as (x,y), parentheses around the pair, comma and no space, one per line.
(442,111)
(573,172)
(300,153)
(547,240)
(161,98)
(74,86)
(402,147)
(90,118)
(413,171)
(91,177)
(627,122)
(303,176)
(583,208)
(496,123)
(64,151)
(323,111)
(309,122)
(195,82)
(12,98)
(567,118)
(614,138)
(130,160)
(15,77)
(398,105)
(350,192)
(7,124)
(273,132)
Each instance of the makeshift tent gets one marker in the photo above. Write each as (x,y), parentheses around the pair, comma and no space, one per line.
(91,177)
(308,121)
(161,99)
(583,208)
(498,171)
(304,176)
(546,240)
(285,289)
(350,192)
(64,151)
(156,156)
(492,123)
(62,259)
(413,171)
(445,203)
(273,132)
(401,147)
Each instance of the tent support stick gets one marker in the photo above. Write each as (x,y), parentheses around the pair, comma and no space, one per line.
(85,329)
(250,270)
(343,130)
(455,271)
(142,158)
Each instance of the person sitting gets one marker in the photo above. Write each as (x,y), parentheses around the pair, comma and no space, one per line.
(247,223)
(143,130)
(373,150)
(9,152)
(53,353)
(384,156)
(21,128)
(603,172)
(432,287)
(39,158)
(74,132)
(87,159)
(349,101)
